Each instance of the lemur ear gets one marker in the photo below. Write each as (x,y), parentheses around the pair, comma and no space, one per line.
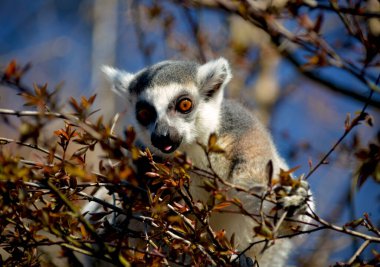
(120,79)
(213,76)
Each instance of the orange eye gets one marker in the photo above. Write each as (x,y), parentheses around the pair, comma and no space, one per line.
(184,105)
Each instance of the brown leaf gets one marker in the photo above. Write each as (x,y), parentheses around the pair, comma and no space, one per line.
(74,104)
(216,149)
(269,171)
(318,23)
(347,122)
(354,223)
(264,231)
(222,205)
(152,175)
(10,69)
(212,140)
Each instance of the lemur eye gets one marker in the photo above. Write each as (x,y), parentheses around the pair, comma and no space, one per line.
(144,116)
(145,113)
(184,105)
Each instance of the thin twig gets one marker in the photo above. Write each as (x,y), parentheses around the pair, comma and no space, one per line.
(358,252)
(31,113)
(4,141)
(345,10)
(346,132)
(343,229)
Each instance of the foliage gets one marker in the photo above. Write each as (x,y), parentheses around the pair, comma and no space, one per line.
(151,217)
(40,199)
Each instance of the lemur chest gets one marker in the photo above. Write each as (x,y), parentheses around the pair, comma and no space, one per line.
(217,164)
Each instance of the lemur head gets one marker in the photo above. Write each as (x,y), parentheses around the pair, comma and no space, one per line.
(173,103)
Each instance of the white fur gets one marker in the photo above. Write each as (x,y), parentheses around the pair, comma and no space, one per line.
(119,79)
(220,68)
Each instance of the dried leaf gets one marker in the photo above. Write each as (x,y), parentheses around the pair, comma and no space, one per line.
(354,223)
(10,69)
(347,122)
(269,171)
(222,205)
(318,23)
(124,261)
(212,140)
(264,231)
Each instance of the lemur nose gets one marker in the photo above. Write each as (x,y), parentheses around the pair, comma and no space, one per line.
(166,138)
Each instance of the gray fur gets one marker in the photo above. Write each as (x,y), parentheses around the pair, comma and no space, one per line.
(236,119)
(181,72)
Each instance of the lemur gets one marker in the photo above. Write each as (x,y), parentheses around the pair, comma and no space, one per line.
(177,105)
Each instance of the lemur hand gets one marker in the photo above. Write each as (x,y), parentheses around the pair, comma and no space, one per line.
(293,198)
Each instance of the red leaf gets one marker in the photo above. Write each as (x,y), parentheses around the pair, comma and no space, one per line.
(11,69)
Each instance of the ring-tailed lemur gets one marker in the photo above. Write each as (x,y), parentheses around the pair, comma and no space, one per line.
(175,105)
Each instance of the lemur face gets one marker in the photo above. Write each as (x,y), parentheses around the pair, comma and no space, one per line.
(168,115)
(173,103)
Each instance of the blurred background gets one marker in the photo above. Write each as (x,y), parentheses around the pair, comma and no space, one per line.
(66,42)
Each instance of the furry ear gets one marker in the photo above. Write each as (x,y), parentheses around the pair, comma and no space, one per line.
(120,79)
(213,76)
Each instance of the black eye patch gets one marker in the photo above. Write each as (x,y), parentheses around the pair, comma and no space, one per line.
(145,113)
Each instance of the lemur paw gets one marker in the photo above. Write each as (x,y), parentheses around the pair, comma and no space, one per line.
(293,198)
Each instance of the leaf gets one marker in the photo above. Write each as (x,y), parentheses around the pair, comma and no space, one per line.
(152,175)
(362,154)
(83,231)
(130,136)
(306,22)
(376,174)
(286,176)
(212,140)
(84,102)
(208,186)
(212,145)
(61,133)
(99,215)
(222,205)
(216,149)
(237,201)
(369,120)
(74,104)
(165,169)
(269,171)
(220,234)
(135,152)
(232,240)
(318,23)
(264,231)
(80,152)
(219,196)
(124,261)
(10,69)
(354,223)
(73,182)
(347,122)
(92,99)
(125,173)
